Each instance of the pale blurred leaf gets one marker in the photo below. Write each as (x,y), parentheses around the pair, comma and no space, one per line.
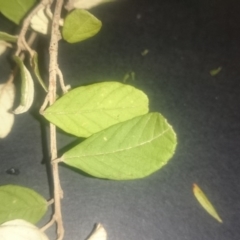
(40,22)
(19,229)
(87,4)
(99,233)
(7,95)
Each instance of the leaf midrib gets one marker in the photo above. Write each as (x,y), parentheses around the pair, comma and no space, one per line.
(120,150)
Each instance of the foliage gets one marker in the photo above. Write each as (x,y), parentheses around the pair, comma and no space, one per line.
(90,109)
(129,150)
(16,10)
(21,202)
(123,140)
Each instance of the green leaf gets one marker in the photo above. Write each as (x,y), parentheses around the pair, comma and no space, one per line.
(87,110)
(216,71)
(34,63)
(205,203)
(16,10)
(20,202)
(7,37)
(27,88)
(80,25)
(133,149)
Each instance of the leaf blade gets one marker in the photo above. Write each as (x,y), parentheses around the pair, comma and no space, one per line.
(87,110)
(99,233)
(20,202)
(129,150)
(27,88)
(80,25)
(16,10)
(205,203)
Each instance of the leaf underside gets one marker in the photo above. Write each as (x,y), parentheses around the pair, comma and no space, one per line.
(21,203)
(129,150)
(27,88)
(7,96)
(87,110)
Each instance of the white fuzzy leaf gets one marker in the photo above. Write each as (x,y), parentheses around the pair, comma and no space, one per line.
(20,230)
(7,95)
(87,4)
(99,233)
(40,22)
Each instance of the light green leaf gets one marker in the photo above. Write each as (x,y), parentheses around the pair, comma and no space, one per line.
(27,88)
(7,37)
(129,150)
(34,63)
(87,110)
(80,25)
(205,203)
(20,202)
(216,71)
(16,10)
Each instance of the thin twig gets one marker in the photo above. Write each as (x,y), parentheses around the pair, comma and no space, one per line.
(61,80)
(48,225)
(14,72)
(53,66)
(50,202)
(22,44)
(44,105)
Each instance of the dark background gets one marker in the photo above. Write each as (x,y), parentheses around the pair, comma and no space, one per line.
(185,39)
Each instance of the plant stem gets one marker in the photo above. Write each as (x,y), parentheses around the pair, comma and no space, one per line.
(14,72)
(22,45)
(53,66)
